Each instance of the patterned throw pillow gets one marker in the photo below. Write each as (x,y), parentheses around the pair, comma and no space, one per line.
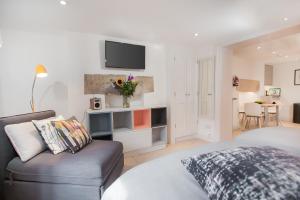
(247,173)
(74,134)
(52,138)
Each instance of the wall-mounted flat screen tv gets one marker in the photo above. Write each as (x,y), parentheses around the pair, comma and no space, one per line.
(122,55)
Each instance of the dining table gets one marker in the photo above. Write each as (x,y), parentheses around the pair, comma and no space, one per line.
(266,107)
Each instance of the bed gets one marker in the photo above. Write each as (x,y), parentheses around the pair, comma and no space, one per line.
(166,178)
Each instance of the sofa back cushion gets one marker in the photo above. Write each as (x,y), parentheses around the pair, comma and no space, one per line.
(25,139)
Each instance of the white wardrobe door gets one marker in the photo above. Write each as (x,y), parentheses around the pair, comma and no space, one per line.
(191,93)
(179,88)
(211,88)
(206,88)
(185,105)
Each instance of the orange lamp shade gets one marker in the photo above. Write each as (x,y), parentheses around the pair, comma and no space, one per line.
(41,71)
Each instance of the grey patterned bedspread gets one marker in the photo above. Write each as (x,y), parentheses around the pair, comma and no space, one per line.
(166,178)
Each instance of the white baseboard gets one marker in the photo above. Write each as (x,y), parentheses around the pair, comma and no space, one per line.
(179,139)
(205,138)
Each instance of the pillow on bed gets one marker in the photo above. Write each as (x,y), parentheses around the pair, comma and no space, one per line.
(25,139)
(73,133)
(247,173)
(51,136)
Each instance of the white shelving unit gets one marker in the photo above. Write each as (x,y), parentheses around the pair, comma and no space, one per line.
(137,128)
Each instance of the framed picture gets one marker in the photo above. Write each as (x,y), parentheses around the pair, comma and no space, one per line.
(297,77)
(274,92)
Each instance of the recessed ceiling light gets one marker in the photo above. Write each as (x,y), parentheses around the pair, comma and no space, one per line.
(286,56)
(258,48)
(285,19)
(274,52)
(196,34)
(62,2)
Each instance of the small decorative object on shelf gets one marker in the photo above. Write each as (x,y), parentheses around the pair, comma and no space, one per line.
(126,103)
(95,103)
(126,88)
(235,81)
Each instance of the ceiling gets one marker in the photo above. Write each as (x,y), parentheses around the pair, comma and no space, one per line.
(218,22)
(271,50)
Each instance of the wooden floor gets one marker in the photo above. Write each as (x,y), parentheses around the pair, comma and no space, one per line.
(271,124)
(134,159)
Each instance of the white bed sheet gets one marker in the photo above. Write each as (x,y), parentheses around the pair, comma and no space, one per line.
(165,178)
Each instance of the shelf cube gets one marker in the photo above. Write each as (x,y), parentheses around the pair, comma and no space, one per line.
(158,117)
(122,120)
(100,124)
(142,119)
(159,135)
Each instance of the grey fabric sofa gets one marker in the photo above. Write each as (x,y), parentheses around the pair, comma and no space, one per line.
(81,176)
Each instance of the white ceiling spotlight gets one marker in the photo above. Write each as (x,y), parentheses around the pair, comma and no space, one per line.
(285,19)
(286,56)
(274,52)
(196,34)
(63,2)
(258,47)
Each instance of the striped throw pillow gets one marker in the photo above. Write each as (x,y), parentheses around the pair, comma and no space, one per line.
(51,136)
(73,133)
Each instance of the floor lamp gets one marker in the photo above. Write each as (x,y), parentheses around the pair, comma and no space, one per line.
(40,72)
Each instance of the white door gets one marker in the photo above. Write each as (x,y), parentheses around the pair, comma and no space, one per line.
(179,94)
(206,88)
(191,93)
(184,96)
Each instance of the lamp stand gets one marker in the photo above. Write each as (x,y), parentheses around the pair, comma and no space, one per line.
(32,95)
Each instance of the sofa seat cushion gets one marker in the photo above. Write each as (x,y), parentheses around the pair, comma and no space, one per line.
(91,166)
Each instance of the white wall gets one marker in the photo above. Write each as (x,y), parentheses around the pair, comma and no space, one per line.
(224,91)
(248,69)
(67,56)
(284,79)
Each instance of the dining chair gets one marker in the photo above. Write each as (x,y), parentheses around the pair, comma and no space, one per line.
(253,111)
(242,114)
(273,114)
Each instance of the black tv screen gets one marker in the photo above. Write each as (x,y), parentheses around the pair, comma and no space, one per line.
(122,55)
